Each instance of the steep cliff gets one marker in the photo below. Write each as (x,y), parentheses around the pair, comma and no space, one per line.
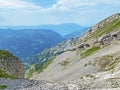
(10,65)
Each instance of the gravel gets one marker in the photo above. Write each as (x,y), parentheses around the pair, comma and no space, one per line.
(24,84)
(81,84)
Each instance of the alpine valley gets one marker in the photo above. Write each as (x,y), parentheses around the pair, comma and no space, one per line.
(88,62)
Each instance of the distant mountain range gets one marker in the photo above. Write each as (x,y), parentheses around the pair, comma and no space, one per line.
(63,29)
(27,42)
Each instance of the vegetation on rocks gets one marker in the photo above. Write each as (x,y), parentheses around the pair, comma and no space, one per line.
(30,73)
(5,54)
(107,62)
(37,68)
(89,52)
(2,87)
(10,65)
(4,74)
(45,65)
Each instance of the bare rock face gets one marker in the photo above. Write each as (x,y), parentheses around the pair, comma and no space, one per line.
(10,64)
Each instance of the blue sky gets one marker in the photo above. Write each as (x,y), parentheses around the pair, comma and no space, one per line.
(37,12)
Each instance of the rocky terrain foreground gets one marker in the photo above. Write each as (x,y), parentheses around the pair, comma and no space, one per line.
(83,84)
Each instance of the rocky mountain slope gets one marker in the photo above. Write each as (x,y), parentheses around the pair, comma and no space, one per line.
(24,43)
(95,55)
(10,65)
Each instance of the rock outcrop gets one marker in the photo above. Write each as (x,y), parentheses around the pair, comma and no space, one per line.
(10,65)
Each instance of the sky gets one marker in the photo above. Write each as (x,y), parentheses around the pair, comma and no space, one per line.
(37,12)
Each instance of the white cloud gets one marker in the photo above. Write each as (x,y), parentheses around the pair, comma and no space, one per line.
(70,4)
(60,5)
(64,5)
(17,4)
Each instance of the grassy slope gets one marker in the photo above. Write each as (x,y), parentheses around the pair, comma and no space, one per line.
(38,68)
(45,65)
(89,52)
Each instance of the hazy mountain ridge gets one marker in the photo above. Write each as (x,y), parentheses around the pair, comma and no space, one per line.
(63,29)
(24,43)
